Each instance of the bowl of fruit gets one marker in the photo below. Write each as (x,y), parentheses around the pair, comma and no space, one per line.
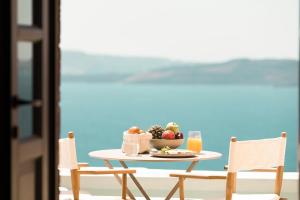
(166,137)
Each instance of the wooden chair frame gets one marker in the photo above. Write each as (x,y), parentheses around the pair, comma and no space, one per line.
(231,178)
(83,168)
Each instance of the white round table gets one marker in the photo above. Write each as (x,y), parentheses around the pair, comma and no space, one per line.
(117,154)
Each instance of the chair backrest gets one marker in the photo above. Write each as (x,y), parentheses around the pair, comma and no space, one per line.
(67,153)
(256,154)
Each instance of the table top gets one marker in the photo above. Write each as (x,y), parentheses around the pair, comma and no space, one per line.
(117,154)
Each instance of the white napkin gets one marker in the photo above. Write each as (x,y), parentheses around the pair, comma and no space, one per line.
(143,140)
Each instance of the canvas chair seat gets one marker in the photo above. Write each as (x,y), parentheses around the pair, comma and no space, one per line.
(255,197)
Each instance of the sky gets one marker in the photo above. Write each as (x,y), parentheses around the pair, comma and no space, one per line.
(194,30)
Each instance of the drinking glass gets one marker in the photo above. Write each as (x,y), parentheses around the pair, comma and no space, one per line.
(132,149)
(194,142)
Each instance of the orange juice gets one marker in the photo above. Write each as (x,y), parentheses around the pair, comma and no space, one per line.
(194,144)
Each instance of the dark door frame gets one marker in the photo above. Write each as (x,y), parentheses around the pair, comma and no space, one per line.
(54,62)
(6,101)
(5,62)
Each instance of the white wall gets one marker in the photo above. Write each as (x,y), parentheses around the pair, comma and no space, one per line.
(158,183)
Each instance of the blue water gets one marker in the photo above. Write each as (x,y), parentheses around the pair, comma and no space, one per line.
(99,113)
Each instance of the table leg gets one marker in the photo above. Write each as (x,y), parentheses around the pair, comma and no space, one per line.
(139,186)
(109,165)
(189,169)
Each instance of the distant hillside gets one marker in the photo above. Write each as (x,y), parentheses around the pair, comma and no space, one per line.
(74,62)
(78,66)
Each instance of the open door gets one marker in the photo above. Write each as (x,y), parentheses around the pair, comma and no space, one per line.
(29,97)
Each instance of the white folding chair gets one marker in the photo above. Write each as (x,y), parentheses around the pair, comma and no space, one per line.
(252,155)
(68,160)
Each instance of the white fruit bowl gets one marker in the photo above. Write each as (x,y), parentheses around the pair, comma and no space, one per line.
(161,143)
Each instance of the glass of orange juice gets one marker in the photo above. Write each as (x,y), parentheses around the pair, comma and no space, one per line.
(194,142)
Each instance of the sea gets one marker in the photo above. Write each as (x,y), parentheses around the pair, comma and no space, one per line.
(98,113)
